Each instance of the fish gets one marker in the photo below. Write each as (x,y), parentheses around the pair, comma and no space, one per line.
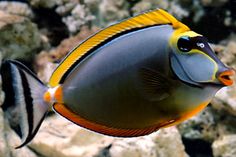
(130,79)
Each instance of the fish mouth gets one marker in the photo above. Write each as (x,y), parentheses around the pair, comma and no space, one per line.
(226,77)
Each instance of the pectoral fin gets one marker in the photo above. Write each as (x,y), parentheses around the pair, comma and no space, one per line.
(155,85)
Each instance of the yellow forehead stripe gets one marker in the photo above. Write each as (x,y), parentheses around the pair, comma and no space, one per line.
(190,34)
(152,18)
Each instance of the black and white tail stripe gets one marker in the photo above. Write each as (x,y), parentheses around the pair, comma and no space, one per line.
(24,106)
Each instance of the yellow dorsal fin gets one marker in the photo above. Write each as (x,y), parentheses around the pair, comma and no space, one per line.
(156,17)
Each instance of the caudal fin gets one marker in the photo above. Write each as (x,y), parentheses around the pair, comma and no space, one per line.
(23,106)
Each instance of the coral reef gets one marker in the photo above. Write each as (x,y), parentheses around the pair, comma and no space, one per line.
(42,32)
(16,8)
(20,37)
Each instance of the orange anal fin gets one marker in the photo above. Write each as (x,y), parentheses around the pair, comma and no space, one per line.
(106,130)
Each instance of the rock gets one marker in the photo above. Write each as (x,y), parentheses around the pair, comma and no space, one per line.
(44,66)
(163,143)
(112,11)
(9,140)
(225,146)
(227,51)
(168,143)
(80,15)
(205,129)
(16,8)
(46,61)
(60,138)
(173,7)
(225,99)
(66,7)
(19,36)
(201,126)
(214,3)
(208,125)
(68,44)
(4,150)
(45,3)
(74,15)
(1,93)
(131,147)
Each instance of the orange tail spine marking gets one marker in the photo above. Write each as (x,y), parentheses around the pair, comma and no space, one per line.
(47,97)
(58,95)
(54,95)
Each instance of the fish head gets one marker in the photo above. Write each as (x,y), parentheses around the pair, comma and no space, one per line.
(194,62)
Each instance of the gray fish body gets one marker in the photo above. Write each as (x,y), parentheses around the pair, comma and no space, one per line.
(106,87)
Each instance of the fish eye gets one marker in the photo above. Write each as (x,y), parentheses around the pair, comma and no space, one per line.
(184,44)
(201,45)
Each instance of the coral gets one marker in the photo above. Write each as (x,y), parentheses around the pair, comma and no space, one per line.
(202,126)
(16,8)
(9,140)
(173,7)
(45,3)
(19,36)
(225,146)
(80,15)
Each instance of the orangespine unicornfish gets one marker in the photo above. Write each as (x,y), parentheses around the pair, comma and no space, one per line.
(130,79)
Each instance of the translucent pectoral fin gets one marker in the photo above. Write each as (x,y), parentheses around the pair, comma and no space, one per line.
(155,85)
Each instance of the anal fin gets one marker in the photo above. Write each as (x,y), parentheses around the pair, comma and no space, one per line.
(106,130)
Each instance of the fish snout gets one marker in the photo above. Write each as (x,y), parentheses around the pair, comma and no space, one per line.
(226,77)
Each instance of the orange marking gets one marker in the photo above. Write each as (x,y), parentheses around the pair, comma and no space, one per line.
(58,95)
(189,114)
(47,97)
(119,132)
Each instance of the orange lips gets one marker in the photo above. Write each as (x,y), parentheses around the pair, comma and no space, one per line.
(225,77)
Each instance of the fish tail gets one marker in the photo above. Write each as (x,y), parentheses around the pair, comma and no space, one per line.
(23,106)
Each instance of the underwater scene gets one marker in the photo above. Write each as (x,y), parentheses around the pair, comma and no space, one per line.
(117,78)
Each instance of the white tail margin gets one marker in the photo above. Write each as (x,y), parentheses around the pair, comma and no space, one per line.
(23,106)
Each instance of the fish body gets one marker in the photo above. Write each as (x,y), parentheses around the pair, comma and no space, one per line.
(111,77)
(130,79)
